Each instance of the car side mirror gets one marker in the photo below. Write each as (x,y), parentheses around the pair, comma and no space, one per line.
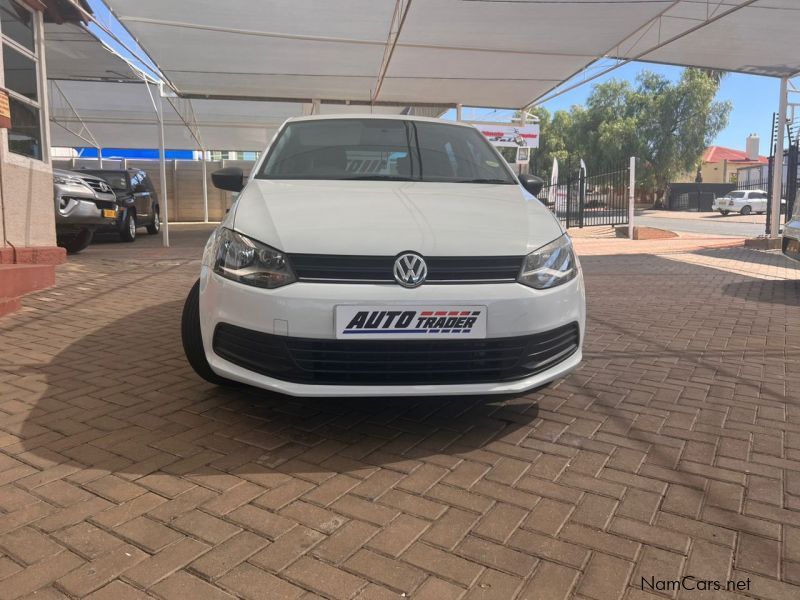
(229,178)
(532,183)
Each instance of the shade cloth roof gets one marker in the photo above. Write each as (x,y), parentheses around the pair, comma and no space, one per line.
(501,53)
(121,115)
(71,52)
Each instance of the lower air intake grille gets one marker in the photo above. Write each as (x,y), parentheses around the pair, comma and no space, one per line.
(401,362)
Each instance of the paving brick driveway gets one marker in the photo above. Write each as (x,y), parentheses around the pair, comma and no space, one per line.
(673,451)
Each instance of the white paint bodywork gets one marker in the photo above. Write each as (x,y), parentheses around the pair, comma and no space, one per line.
(384,218)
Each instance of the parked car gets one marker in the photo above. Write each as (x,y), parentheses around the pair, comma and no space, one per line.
(742,201)
(791,238)
(437,272)
(82,204)
(137,199)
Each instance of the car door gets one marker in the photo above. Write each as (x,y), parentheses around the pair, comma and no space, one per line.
(148,184)
(141,196)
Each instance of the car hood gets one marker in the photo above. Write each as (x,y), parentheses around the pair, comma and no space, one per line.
(383,218)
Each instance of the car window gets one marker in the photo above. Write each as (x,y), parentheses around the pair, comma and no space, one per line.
(389,149)
(737,194)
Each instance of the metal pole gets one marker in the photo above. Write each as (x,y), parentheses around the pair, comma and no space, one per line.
(162,159)
(205,189)
(458,112)
(777,168)
(631,195)
(100,156)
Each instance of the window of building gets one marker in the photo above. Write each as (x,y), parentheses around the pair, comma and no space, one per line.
(21,72)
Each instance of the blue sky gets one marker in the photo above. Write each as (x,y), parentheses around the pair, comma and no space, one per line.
(754,98)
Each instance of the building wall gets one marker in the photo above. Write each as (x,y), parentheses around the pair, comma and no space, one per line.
(27,216)
(26,193)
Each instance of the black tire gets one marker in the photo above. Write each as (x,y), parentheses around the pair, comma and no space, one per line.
(746,210)
(725,213)
(193,341)
(77,242)
(127,232)
(155,226)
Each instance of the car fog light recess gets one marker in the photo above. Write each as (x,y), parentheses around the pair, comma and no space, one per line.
(244,260)
(551,265)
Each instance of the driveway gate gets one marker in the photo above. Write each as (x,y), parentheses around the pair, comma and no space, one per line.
(581,201)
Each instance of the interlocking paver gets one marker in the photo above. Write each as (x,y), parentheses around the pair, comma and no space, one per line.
(673,450)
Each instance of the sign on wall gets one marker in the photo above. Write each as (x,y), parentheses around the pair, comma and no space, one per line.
(510,135)
(5,111)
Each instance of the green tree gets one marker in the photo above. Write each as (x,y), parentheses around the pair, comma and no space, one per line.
(666,124)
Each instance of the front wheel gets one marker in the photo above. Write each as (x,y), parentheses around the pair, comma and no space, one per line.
(725,213)
(155,226)
(128,231)
(75,243)
(746,210)
(193,340)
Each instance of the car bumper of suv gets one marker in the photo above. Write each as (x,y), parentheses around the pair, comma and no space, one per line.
(284,339)
(71,209)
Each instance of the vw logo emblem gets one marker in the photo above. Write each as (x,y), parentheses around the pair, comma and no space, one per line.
(410,270)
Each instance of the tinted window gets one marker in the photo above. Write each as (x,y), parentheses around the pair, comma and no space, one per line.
(391,149)
(17,24)
(25,135)
(20,73)
(737,194)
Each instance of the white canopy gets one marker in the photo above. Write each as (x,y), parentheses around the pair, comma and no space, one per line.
(71,52)
(121,115)
(502,53)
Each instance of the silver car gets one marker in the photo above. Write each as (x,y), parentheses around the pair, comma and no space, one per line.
(82,204)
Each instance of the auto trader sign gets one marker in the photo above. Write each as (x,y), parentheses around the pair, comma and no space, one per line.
(510,135)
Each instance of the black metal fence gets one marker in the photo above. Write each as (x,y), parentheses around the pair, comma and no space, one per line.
(581,201)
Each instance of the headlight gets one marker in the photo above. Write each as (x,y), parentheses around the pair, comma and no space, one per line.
(550,265)
(68,179)
(240,258)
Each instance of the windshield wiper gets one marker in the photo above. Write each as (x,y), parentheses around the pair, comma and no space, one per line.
(376,178)
(504,181)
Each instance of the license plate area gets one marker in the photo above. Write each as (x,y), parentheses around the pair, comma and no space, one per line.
(381,322)
(109,213)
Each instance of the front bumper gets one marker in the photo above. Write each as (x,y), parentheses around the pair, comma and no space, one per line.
(79,206)
(791,239)
(306,310)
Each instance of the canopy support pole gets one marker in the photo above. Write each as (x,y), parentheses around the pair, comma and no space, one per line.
(162,163)
(777,162)
(458,112)
(205,188)
(100,156)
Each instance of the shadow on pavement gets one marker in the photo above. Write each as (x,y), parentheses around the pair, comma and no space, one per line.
(123,399)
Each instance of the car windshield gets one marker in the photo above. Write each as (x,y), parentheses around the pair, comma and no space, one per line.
(736,195)
(118,180)
(383,150)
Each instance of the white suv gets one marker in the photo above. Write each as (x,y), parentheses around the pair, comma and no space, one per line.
(379,255)
(742,201)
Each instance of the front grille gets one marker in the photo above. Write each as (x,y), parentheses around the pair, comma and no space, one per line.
(97,186)
(401,362)
(328,268)
(101,204)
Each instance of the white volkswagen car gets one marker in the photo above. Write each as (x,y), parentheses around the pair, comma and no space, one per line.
(376,255)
